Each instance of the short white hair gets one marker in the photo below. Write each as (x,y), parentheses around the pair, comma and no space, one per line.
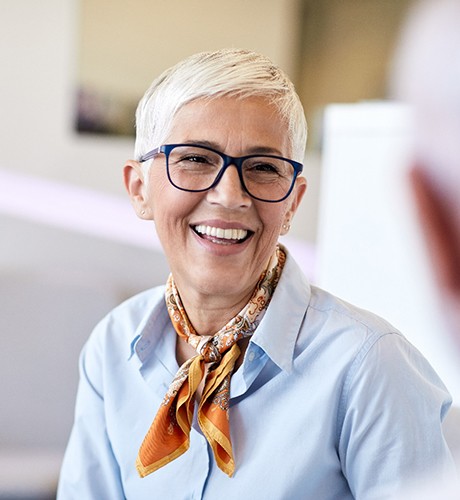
(227,72)
(426,74)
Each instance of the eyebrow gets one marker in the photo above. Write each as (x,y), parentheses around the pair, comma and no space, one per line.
(254,150)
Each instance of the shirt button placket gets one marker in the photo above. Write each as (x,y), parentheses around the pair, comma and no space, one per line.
(201,465)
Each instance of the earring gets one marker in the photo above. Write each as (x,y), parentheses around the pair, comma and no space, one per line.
(142,212)
(286,226)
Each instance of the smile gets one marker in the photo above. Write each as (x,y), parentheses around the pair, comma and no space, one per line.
(224,236)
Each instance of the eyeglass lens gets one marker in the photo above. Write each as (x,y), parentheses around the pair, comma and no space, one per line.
(195,169)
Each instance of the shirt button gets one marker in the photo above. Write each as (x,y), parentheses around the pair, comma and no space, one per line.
(252,356)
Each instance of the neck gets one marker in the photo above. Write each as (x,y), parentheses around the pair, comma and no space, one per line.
(209,306)
(209,313)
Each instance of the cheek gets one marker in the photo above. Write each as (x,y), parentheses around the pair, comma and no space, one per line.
(158,180)
(273,218)
(158,192)
(171,207)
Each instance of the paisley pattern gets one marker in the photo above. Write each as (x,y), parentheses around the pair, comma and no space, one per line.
(168,436)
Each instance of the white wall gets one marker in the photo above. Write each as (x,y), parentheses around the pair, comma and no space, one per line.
(38,60)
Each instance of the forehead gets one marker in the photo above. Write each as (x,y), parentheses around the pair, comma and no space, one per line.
(231,123)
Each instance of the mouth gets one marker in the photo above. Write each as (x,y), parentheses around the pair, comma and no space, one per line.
(220,236)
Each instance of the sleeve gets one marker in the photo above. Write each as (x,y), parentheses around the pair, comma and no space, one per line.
(90,470)
(390,420)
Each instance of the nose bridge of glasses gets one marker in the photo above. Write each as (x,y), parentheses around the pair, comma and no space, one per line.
(231,161)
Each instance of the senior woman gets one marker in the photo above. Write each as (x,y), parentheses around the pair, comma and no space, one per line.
(239,379)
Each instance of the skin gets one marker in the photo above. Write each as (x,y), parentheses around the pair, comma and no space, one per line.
(215,280)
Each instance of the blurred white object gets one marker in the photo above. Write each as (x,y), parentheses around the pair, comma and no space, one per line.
(370,251)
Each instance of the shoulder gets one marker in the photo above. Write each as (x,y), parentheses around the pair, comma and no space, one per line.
(334,324)
(371,339)
(378,363)
(343,314)
(369,351)
(134,309)
(323,309)
(322,322)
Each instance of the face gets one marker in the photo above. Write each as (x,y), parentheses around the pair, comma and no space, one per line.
(217,242)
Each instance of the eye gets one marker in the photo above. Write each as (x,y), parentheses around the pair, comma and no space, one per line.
(262,167)
(194,158)
(265,167)
(267,170)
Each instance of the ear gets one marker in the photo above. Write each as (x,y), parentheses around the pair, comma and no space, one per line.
(295,198)
(438,227)
(136,186)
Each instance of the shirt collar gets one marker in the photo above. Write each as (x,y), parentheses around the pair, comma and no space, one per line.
(278,331)
(276,335)
(150,324)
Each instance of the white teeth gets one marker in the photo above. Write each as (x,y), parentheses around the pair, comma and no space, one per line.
(226,234)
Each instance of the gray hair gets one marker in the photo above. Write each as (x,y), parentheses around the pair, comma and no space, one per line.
(427,75)
(234,72)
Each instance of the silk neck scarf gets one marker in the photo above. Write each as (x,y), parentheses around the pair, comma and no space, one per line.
(168,436)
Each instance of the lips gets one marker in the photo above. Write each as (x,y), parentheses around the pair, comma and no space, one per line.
(217,234)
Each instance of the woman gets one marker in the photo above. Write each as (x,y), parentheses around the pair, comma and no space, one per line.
(239,379)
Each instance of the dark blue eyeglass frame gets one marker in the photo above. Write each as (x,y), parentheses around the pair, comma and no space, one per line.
(228,160)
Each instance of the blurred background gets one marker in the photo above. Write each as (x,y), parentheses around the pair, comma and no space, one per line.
(72,72)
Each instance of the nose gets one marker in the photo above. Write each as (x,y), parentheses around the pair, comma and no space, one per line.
(229,192)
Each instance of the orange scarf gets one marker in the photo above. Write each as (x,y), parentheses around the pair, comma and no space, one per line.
(168,436)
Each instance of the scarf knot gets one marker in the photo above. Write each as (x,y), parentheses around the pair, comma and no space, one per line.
(210,351)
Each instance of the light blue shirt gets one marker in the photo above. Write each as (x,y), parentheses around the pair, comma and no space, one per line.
(330,403)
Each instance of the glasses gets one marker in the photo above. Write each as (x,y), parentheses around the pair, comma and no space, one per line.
(196,168)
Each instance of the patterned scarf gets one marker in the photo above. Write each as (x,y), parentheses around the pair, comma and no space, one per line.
(168,436)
